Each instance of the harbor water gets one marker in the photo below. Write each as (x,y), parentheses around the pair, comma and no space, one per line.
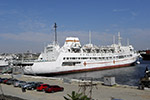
(124,76)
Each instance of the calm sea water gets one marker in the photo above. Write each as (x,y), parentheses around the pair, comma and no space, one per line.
(125,76)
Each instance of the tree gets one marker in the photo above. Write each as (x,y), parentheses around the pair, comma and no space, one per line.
(76,96)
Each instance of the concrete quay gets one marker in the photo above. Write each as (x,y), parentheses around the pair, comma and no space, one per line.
(101,92)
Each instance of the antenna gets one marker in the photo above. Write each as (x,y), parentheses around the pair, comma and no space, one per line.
(114,39)
(119,39)
(128,42)
(89,36)
(55,27)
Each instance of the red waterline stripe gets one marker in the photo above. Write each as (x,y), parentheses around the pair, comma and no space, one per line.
(92,69)
(99,63)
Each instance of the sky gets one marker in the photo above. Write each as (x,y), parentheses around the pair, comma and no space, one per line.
(27,25)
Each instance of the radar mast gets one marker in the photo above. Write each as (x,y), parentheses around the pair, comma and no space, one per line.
(55,27)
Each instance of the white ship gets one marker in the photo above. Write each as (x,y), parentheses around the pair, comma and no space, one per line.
(72,57)
(4,61)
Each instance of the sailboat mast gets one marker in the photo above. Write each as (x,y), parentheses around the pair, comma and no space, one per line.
(127,42)
(55,27)
(114,39)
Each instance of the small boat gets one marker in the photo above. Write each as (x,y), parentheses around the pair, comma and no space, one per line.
(145,54)
(3,61)
(3,64)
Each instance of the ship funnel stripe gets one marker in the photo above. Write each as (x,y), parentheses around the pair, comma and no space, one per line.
(72,41)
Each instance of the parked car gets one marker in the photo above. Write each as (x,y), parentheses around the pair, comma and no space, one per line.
(34,85)
(2,80)
(41,87)
(5,80)
(53,88)
(18,83)
(38,83)
(8,82)
(21,83)
(11,81)
(25,85)
(28,85)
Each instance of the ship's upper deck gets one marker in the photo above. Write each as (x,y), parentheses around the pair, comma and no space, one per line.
(72,45)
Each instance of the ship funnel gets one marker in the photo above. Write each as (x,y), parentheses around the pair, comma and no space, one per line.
(72,41)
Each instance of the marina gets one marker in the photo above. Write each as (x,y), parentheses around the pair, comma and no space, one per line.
(98,50)
(126,79)
(72,63)
(104,66)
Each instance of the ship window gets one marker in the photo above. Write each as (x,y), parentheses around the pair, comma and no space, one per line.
(67,58)
(73,58)
(49,50)
(64,58)
(84,58)
(70,63)
(121,57)
(94,58)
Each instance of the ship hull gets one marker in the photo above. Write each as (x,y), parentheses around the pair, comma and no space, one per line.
(55,68)
(84,70)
